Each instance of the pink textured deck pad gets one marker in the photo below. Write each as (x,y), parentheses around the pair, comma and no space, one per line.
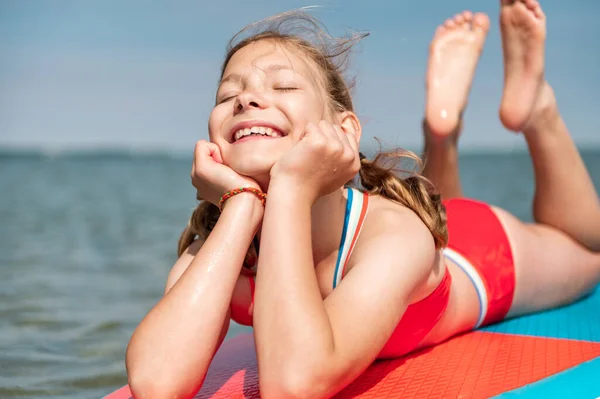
(474,365)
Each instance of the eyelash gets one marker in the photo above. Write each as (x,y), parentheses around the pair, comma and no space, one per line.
(277,89)
(226,99)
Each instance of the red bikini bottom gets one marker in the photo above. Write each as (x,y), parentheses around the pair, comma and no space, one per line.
(479,245)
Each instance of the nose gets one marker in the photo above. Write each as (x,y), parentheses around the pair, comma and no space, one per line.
(248,100)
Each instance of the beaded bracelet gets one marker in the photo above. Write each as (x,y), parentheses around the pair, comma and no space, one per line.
(262,196)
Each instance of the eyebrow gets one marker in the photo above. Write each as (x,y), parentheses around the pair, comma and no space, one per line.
(269,69)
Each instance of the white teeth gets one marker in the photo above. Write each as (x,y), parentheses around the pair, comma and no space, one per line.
(263,130)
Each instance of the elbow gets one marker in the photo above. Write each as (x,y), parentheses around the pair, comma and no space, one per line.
(146,381)
(152,375)
(146,388)
(142,387)
(296,384)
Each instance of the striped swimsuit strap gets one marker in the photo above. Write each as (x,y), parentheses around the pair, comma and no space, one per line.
(356,212)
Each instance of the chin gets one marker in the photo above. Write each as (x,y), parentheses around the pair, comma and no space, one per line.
(254,161)
(253,165)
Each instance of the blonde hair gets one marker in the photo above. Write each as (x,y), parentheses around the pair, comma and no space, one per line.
(380,176)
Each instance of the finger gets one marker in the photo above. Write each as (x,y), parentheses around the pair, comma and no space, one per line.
(348,139)
(351,134)
(308,131)
(313,135)
(332,137)
(199,150)
(328,130)
(205,150)
(341,135)
(215,153)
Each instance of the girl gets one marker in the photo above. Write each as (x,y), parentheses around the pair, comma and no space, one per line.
(338,277)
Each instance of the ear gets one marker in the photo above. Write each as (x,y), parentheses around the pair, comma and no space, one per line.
(350,124)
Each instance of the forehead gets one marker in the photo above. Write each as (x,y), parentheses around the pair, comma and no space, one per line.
(268,56)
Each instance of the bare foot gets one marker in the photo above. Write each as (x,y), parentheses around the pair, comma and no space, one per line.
(453,56)
(523,27)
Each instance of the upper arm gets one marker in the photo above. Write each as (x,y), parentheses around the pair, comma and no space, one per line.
(368,304)
(242,301)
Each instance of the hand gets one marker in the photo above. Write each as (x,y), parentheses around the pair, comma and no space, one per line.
(211,177)
(322,161)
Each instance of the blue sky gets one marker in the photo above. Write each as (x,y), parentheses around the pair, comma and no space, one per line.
(141,74)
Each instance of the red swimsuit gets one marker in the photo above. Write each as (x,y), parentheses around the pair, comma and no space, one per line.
(477,244)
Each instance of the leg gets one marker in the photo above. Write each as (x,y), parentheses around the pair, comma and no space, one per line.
(565,197)
(523,27)
(556,260)
(454,53)
(441,162)
(551,269)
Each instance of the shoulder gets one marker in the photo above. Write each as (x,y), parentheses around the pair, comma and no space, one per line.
(387,219)
(395,234)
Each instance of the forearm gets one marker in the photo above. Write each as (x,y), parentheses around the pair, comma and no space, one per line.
(291,325)
(179,336)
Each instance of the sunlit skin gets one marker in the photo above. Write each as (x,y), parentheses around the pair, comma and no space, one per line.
(308,336)
(312,340)
(265,82)
(453,56)
(295,164)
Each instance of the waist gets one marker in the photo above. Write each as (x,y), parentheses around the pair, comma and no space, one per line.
(419,319)
(462,311)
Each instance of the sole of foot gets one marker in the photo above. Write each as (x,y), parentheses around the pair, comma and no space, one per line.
(523,29)
(453,56)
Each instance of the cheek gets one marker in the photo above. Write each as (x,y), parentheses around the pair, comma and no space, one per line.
(318,107)
(303,110)
(215,123)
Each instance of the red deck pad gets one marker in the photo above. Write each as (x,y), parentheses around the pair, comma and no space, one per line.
(474,365)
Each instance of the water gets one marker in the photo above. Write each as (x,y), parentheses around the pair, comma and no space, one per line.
(86,243)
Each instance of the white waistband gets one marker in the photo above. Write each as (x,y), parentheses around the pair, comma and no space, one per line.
(475,278)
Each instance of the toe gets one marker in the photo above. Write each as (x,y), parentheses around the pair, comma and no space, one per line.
(459,19)
(535,7)
(468,18)
(481,22)
(450,24)
(439,31)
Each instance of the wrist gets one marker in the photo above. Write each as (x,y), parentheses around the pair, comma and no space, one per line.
(257,192)
(289,191)
(244,205)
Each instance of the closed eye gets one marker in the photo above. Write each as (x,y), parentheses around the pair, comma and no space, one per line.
(286,88)
(224,100)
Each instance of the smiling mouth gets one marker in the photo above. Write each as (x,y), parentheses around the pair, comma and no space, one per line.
(263,131)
